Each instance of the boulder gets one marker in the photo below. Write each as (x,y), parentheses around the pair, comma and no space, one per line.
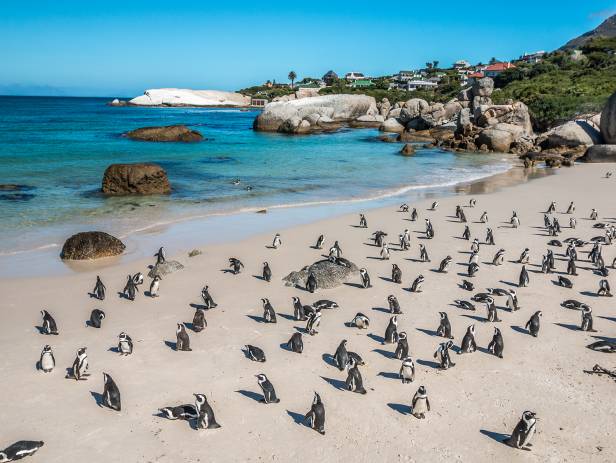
(483,87)
(188,97)
(165,133)
(91,245)
(516,114)
(391,125)
(395,113)
(600,153)
(328,274)
(374,121)
(165,268)
(608,121)
(465,95)
(464,125)
(495,140)
(384,107)
(570,135)
(443,133)
(407,150)
(452,109)
(141,179)
(421,136)
(412,109)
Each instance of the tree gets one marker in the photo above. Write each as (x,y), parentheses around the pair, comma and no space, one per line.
(292,77)
(435,64)
(493,60)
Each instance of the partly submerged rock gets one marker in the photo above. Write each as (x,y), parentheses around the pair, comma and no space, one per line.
(140,178)
(91,245)
(173,133)
(408,150)
(328,274)
(167,267)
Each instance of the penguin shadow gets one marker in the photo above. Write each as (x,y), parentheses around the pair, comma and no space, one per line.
(301,329)
(376,337)
(298,418)
(40,329)
(227,270)
(508,283)
(315,247)
(604,338)
(483,350)
(375,258)
(285,346)
(259,277)
(464,274)
(389,280)
(114,349)
(329,359)
(356,285)
(428,332)
(476,318)
(171,345)
(98,398)
(190,326)
(588,293)
(429,363)
(389,375)
(336,383)
(568,326)
(269,246)
(612,319)
(286,316)
(384,353)
(357,226)
(251,395)
(519,329)
(379,309)
(256,318)
(198,306)
(497,436)
(121,295)
(410,259)
(459,238)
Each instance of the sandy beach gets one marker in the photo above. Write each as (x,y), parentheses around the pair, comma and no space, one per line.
(474,405)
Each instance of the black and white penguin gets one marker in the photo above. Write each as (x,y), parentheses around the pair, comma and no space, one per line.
(254,353)
(379,238)
(298,309)
(269,393)
(296,343)
(206,418)
(571,267)
(236,265)
(363,223)
(469,345)
(277,242)
(125,344)
(571,208)
(313,323)
(497,345)
(434,206)
(365,278)
(341,356)
(311,283)
(80,365)
(360,321)
(385,252)
(594,214)
(472,202)
(183,341)
(515,220)
(316,415)
(512,300)
(523,432)
(111,394)
(356,358)
(269,314)
(155,285)
(484,217)
(354,381)
(524,278)
(472,269)
(444,327)
(474,258)
(573,304)
(207,298)
(394,305)
(180,412)
(609,347)
(320,241)
(467,285)
(429,229)
(423,253)
(551,207)
(267,272)
(404,208)
(490,237)
(325,304)
(420,404)
(96,318)
(464,304)
(414,215)
(572,222)
(130,289)
(335,252)
(564,282)
(524,257)
(138,278)
(475,246)
(407,370)
(19,450)
(416,287)
(467,233)
(498,291)
(604,288)
(587,320)
(442,355)
(199,322)
(402,349)
(47,362)
(534,323)
(445,264)
(49,324)
(160,256)
(499,257)
(545,265)
(99,289)
(391,332)
(492,311)
(396,274)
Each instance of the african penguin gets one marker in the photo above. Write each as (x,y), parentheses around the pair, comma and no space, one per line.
(183,341)
(341,357)
(365,278)
(99,289)
(47,361)
(360,321)
(523,432)
(468,345)
(416,287)
(180,412)
(394,306)
(296,344)
(420,404)
(407,370)
(444,327)
(206,418)
(269,315)
(402,349)
(20,449)
(255,353)
(442,355)
(354,381)
(49,324)
(96,318)
(154,286)
(497,344)
(199,322)
(269,393)
(316,415)
(80,365)
(111,394)
(534,323)
(267,272)
(391,332)
(125,344)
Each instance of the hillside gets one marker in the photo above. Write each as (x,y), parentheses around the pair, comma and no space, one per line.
(606,29)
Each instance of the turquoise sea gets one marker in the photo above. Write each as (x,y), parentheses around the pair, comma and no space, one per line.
(57,149)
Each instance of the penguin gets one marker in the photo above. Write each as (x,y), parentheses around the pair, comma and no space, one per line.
(524,279)
(594,214)
(363,223)
(571,208)
(385,252)
(573,304)
(556,243)
(269,393)
(180,412)
(467,233)
(551,207)
(442,354)
(111,394)
(564,282)
(207,298)
(556,226)
(498,292)
(394,305)
(47,362)
(474,258)
(360,321)
(608,174)
(236,265)
(523,432)
(404,208)
(402,349)
(391,332)
(472,269)
(445,264)
(464,305)
(524,257)
(444,327)
(277,241)
(80,365)
(429,229)
(183,341)
(96,318)
(512,300)
(462,216)
(572,223)
(138,278)
(515,220)
(587,320)
(492,312)
(475,246)
(269,315)
(298,310)
(341,357)
(365,278)
(489,237)
(472,202)
(467,285)
(312,326)
(49,324)
(423,253)
(320,240)
(125,344)
(417,284)
(434,206)
(311,283)
(19,450)
(206,418)
(354,381)
(325,304)
(497,345)
(407,370)
(608,347)
(481,297)
(545,265)
(316,415)
(336,250)
(468,345)
(255,353)
(407,238)
(484,217)
(130,289)
(160,256)
(267,272)
(154,285)
(414,215)
(99,289)
(420,404)
(499,257)
(296,344)
(199,322)
(356,358)
(396,274)
(534,323)
(379,238)
(571,268)
(604,288)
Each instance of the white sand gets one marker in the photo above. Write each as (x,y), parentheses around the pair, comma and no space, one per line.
(472,403)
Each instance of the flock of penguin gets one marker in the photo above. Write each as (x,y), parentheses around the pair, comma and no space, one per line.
(201,414)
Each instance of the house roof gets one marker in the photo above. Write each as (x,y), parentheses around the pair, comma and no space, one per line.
(499,67)
(475,75)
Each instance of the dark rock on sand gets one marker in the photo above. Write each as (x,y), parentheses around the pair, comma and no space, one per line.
(600,153)
(328,274)
(167,267)
(140,179)
(165,133)
(91,245)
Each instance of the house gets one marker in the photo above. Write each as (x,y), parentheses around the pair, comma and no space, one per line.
(461,64)
(420,84)
(329,77)
(404,76)
(354,75)
(495,69)
(475,76)
(362,83)
(533,58)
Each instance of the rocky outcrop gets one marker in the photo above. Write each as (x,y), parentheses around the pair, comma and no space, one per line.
(392,125)
(495,139)
(328,274)
(608,121)
(169,133)
(600,153)
(91,245)
(186,97)
(316,114)
(572,134)
(515,114)
(165,268)
(138,179)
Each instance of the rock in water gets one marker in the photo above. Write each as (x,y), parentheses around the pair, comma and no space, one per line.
(91,245)
(167,267)
(165,133)
(141,179)
(328,274)
(408,150)
(608,121)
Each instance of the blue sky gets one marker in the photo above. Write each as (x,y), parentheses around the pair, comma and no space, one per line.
(120,48)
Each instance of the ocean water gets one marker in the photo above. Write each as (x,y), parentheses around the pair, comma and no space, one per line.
(57,149)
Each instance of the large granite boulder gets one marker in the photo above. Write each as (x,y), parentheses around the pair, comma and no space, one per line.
(495,139)
(328,274)
(384,107)
(140,179)
(165,133)
(391,125)
(413,108)
(600,153)
(287,117)
(572,134)
(188,97)
(608,121)
(91,245)
(165,268)
(483,87)
(515,113)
